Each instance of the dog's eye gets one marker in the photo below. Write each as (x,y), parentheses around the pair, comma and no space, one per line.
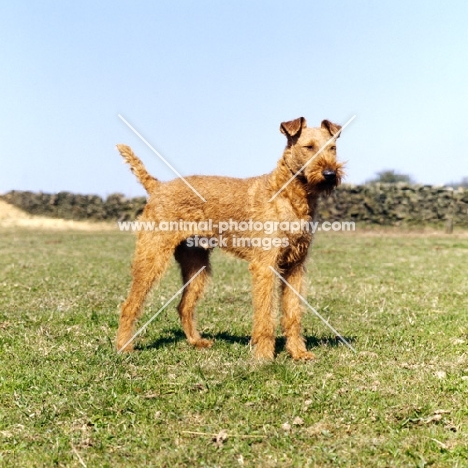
(333,148)
(310,147)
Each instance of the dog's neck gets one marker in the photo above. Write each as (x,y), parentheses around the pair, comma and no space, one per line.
(292,185)
(298,174)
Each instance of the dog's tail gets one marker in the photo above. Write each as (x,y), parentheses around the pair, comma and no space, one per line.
(137,167)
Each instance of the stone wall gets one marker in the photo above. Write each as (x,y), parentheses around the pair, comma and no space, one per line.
(390,204)
(395,204)
(67,205)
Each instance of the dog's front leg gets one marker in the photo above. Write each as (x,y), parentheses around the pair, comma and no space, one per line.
(264,303)
(292,313)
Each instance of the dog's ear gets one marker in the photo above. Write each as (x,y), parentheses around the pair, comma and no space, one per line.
(293,127)
(332,128)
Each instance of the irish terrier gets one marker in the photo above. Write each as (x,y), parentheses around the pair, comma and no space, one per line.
(232,218)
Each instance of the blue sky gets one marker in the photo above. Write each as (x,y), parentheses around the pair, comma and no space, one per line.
(208,83)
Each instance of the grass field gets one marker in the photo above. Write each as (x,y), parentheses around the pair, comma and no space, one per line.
(67,398)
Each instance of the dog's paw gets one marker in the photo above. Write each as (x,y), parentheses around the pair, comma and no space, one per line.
(265,352)
(303,356)
(124,347)
(203,343)
(127,349)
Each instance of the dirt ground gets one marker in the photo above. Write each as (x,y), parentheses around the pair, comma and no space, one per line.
(10,216)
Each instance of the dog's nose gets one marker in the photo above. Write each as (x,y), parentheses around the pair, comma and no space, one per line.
(329,175)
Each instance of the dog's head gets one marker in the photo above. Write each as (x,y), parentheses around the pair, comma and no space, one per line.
(313,154)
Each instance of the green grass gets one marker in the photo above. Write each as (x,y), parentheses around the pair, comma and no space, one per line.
(65,394)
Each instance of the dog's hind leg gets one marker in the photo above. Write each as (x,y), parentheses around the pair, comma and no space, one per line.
(152,257)
(292,313)
(191,260)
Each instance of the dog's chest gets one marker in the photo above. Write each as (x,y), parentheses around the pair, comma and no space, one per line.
(297,249)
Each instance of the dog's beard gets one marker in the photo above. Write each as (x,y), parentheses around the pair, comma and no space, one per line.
(326,188)
(321,186)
